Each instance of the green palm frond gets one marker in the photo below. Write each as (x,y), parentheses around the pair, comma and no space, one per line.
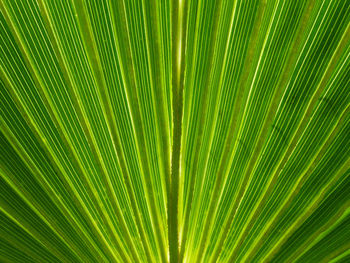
(175,131)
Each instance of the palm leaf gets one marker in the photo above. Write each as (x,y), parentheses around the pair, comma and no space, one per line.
(175,131)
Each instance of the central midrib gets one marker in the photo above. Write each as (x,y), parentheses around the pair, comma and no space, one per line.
(178,48)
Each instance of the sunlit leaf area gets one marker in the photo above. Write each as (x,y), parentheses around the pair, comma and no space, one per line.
(174,131)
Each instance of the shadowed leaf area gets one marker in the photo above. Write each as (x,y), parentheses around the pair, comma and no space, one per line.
(174,131)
